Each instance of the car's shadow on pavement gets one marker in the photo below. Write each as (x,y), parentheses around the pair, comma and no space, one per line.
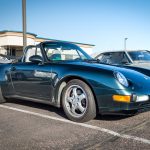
(112,117)
(60,112)
(39,106)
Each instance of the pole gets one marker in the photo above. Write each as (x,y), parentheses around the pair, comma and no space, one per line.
(24,23)
(125,44)
(125,49)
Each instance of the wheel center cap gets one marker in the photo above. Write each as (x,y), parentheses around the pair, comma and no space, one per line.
(75,101)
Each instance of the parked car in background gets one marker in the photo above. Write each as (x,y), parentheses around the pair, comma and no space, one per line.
(63,75)
(134,59)
(6,59)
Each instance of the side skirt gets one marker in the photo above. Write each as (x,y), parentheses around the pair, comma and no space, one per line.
(32,99)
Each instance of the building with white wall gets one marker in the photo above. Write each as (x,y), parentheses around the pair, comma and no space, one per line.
(11,42)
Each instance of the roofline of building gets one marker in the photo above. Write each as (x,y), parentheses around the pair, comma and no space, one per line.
(3,31)
(38,37)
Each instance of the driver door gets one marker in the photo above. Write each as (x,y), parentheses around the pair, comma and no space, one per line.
(32,79)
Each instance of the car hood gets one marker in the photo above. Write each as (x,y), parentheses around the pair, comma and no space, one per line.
(141,67)
(94,65)
(108,70)
(111,68)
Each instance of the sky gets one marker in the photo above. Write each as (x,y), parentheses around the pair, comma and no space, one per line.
(104,23)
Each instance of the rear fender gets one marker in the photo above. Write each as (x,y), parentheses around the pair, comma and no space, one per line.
(6,86)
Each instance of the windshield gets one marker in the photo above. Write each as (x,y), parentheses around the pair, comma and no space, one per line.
(64,51)
(140,56)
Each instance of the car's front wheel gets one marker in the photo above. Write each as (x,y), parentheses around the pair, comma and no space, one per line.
(78,101)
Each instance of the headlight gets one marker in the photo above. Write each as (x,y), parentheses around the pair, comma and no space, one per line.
(121,78)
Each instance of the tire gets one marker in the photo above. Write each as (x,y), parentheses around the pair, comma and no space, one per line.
(78,101)
(2,99)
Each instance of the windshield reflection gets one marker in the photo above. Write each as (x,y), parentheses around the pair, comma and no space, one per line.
(140,56)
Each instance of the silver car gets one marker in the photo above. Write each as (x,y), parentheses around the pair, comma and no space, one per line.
(135,59)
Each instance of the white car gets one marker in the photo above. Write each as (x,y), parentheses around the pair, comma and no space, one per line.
(134,59)
(5,59)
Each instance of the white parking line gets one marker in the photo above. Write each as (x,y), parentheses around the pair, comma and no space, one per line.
(125,136)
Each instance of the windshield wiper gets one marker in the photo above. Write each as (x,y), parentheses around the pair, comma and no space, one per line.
(91,60)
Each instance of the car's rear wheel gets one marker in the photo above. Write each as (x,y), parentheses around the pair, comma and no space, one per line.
(78,101)
(2,99)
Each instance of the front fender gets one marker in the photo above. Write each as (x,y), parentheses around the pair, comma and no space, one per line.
(96,80)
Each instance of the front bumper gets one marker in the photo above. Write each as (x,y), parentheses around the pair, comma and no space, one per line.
(108,106)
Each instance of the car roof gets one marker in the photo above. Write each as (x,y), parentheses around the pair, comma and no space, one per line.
(106,51)
(113,51)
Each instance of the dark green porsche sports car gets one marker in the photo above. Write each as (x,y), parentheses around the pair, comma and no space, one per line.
(63,75)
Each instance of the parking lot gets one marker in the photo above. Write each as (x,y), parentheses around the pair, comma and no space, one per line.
(28,125)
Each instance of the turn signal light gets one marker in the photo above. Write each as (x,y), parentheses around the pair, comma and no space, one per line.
(122,98)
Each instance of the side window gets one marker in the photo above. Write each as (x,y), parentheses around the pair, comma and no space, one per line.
(113,58)
(118,58)
(30,52)
(105,58)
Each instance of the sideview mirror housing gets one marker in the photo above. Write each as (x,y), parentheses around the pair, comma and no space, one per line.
(36,59)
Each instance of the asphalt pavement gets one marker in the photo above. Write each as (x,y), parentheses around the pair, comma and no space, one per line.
(33,126)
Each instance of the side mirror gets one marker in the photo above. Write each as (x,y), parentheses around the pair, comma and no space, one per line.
(36,59)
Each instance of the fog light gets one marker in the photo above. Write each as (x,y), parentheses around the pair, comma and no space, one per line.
(122,98)
(142,98)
